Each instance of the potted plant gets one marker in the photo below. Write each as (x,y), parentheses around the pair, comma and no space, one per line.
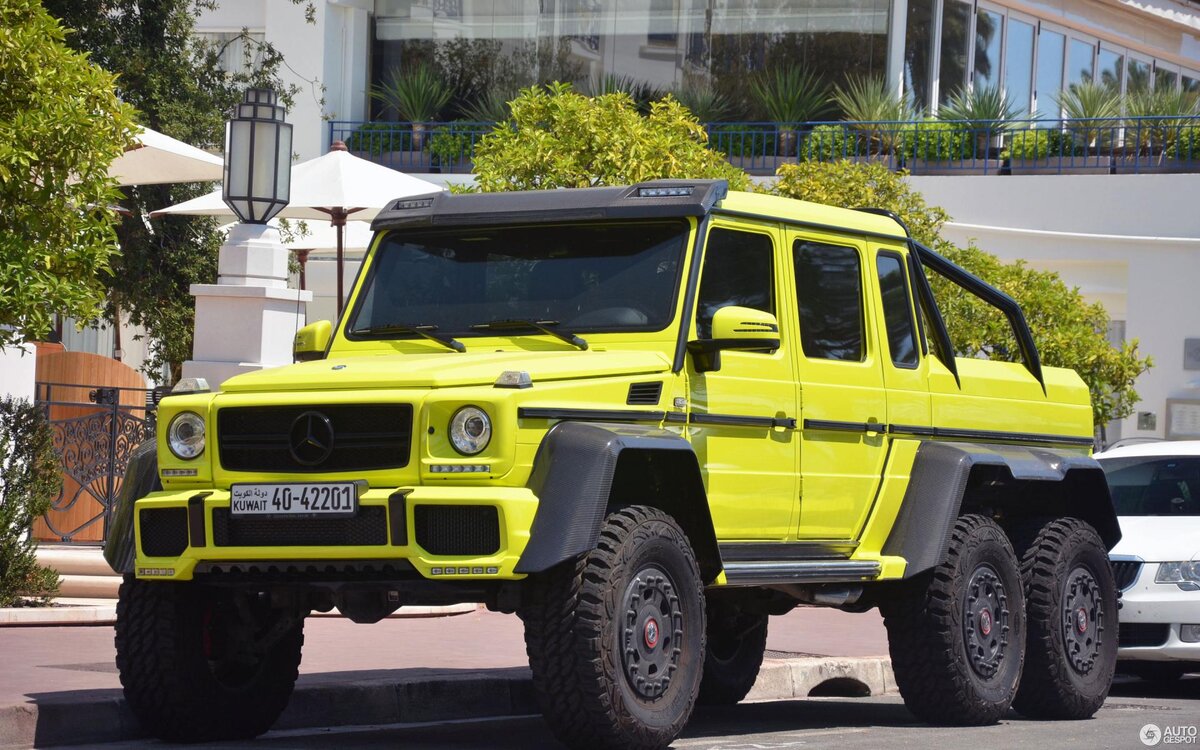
(985,113)
(878,113)
(1092,121)
(789,96)
(416,96)
(1156,120)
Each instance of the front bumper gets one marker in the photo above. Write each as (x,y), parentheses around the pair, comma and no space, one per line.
(185,533)
(1152,615)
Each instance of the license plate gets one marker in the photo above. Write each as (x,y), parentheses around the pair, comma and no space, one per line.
(310,499)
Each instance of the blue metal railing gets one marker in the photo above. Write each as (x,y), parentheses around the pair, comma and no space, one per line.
(1126,145)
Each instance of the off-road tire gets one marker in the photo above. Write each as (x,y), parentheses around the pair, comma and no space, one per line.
(162,633)
(1071,608)
(736,642)
(580,613)
(930,630)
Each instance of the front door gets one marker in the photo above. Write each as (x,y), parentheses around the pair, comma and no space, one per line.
(740,414)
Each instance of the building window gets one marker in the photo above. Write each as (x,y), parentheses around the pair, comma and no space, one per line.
(918,49)
(1111,67)
(1080,62)
(1051,47)
(989,28)
(955,49)
(1018,65)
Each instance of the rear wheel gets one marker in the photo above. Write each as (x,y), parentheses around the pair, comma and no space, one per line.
(616,639)
(956,633)
(199,664)
(736,642)
(1071,601)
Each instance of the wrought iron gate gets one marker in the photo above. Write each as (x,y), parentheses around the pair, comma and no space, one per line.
(94,440)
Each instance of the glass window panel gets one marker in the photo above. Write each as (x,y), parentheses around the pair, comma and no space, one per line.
(1018,65)
(897,311)
(1139,75)
(1165,80)
(956,27)
(988,32)
(829,292)
(1111,68)
(738,270)
(1051,46)
(918,51)
(1191,84)
(1079,61)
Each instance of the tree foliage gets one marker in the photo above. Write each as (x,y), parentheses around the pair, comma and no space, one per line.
(1068,330)
(61,125)
(30,478)
(557,137)
(176,82)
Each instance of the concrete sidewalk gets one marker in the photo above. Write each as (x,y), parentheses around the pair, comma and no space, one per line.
(59,685)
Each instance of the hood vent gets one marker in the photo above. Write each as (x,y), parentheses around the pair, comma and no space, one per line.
(644,394)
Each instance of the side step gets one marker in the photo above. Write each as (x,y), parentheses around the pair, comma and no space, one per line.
(800,571)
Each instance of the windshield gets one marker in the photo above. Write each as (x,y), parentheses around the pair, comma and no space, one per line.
(1154,486)
(580,278)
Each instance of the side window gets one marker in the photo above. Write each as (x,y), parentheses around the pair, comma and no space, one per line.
(897,310)
(738,270)
(829,292)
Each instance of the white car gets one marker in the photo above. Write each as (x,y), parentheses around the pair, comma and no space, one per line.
(1156,489)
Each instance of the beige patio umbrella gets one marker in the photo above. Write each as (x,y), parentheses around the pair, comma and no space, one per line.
(159,159)
(335,187)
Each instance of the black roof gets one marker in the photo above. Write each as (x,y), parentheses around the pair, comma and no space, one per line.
(657,199)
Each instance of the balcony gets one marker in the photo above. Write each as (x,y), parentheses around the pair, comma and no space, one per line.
(1127,145)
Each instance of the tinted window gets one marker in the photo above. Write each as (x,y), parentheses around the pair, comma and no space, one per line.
(897,310)
(1154,486)
(738,270)
(829,292)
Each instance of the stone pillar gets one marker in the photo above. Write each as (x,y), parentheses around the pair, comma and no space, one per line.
(248,319)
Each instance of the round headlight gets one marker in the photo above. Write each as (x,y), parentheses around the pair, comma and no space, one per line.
(185,435)
(470,430)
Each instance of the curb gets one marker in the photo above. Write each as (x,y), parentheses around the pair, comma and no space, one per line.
(415,695)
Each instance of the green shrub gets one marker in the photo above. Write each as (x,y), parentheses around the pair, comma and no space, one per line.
(933,140)
(1039,144)
(30,478)
(378,138)
(744,140)
(828,142)
(451,143)
(1186,147)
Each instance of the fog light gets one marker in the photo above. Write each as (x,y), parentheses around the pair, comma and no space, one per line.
(1189,633)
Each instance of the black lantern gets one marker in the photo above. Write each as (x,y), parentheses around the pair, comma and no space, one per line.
(258,159)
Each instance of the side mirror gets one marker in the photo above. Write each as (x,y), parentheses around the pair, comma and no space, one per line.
(311,341)
(735,328)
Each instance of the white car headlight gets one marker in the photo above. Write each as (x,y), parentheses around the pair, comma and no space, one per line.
(185,435)
(470,430)
(1184,574)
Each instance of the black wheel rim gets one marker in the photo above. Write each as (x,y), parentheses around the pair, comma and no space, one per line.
(1082,620)
(234,660)
(651,634)
(985,621)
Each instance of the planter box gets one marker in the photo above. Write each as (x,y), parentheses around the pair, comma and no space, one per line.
(954,166)
(1154,164)
(1063,165)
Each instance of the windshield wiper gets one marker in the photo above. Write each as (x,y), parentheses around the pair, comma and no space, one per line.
(423,330)
(537,325)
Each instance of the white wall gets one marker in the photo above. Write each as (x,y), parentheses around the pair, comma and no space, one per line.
(1131,242)
(17,371)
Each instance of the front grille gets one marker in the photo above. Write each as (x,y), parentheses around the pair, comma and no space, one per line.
(164,531)
(1125,572)
(365,437)
(457,529)
(367,528)
(1135,634)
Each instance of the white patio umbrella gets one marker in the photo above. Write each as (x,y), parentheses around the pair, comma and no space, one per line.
(159,159)
(335,187)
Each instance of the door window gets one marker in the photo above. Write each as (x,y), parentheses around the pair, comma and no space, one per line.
(829,292)
(738,270)
(897,310)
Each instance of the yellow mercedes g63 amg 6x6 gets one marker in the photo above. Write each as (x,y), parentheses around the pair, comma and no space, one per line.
(644,419)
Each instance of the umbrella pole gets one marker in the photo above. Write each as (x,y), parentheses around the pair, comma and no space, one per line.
(338,218)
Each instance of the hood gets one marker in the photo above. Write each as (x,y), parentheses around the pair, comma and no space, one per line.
(1159,538)
(445,370)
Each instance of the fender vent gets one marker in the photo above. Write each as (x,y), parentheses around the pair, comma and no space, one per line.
(164,531)
(644,394)
(457,529)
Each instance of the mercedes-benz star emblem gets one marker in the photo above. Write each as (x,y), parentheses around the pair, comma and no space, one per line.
(311,438)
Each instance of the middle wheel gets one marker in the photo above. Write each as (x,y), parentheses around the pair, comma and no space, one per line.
(616,640)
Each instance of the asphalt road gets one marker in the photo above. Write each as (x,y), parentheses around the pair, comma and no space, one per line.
(816,722)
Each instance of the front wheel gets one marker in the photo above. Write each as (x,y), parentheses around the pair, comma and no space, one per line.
(201,665)
(616,639)
(956,634)
(1071,599)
